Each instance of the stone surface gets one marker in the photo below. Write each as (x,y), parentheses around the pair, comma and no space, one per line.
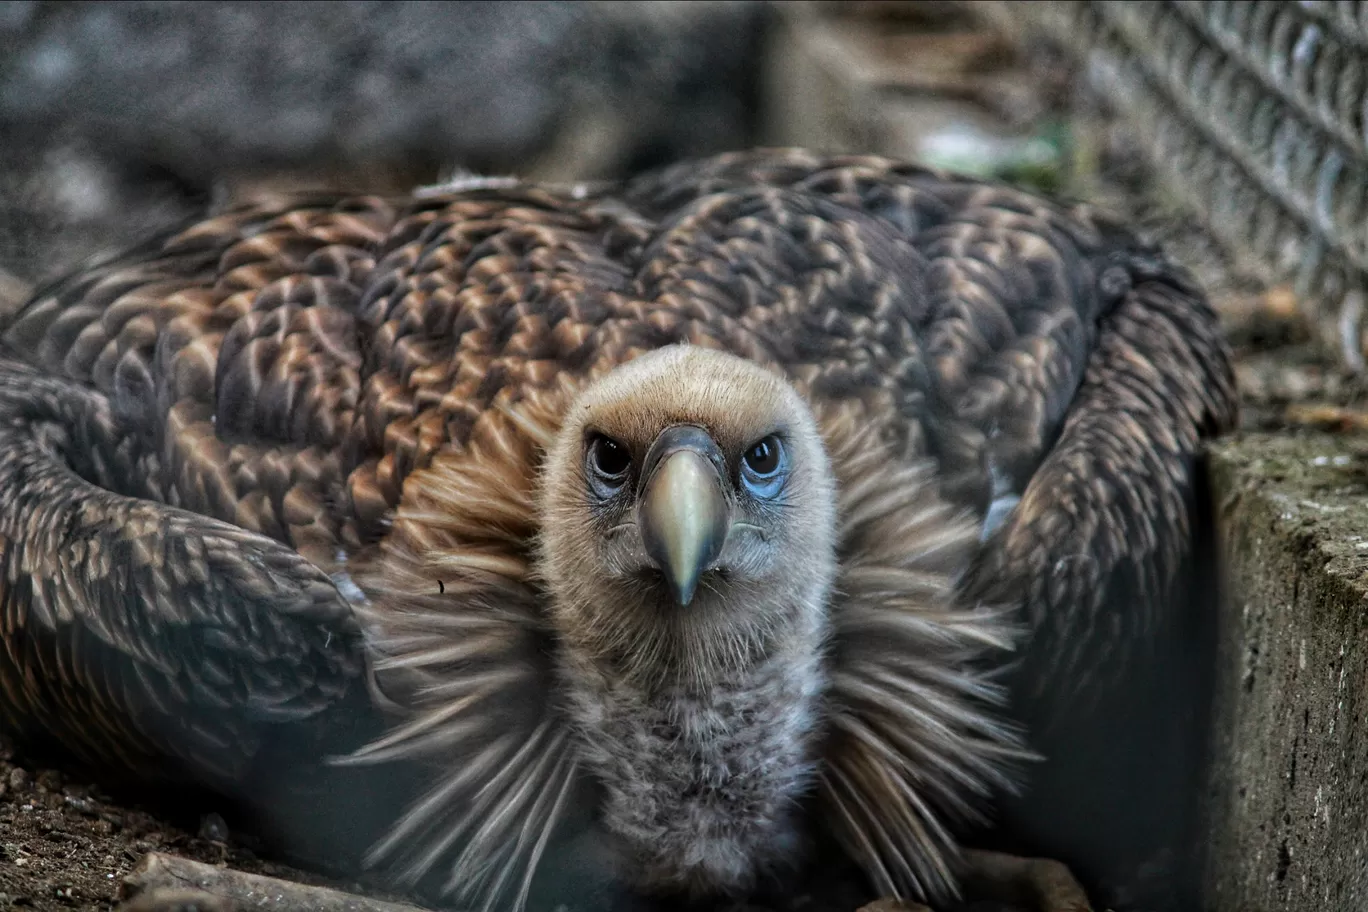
(1288,799)
(210,85)
(116,119)
(204,87)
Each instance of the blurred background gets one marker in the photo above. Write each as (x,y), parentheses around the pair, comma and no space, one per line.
(117,119)
(1233,131)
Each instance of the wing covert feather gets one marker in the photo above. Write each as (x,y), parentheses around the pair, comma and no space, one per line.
(246,405)
(142,630)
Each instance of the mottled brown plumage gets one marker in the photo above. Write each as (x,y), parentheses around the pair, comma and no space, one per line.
(280,415)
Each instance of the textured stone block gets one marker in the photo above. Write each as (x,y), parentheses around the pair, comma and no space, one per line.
(1287,807)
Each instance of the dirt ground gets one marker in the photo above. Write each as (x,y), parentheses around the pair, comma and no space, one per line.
(64,844)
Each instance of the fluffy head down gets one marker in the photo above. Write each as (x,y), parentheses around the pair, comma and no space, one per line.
(697,707)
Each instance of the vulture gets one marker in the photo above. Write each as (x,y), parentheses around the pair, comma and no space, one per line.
(663,538)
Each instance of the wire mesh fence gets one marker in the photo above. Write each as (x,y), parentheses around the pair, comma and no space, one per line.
(1257,113)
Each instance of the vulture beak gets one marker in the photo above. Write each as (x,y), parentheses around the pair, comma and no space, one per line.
(683,511)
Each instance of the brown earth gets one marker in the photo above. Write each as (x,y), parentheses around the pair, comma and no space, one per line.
(65,844)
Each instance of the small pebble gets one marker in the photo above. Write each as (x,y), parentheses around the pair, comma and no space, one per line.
(213,828)
(84,805)
(889,904)
(18,778)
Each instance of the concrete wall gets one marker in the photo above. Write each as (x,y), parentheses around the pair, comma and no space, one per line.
(1288,798)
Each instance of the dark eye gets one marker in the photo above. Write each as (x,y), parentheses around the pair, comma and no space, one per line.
(764,468)
(763,458)
(609,460)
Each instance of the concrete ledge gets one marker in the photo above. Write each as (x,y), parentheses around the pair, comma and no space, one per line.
(1288,795)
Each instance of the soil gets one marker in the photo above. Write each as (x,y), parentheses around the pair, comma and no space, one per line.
(65,844)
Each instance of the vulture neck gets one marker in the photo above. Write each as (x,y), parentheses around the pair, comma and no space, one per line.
(705,750)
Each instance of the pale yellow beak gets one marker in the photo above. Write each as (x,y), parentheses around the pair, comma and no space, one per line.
(684,519)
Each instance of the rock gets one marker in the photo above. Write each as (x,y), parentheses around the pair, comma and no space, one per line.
(213,828)
(172,899)
(207,87)
(121,120)
(156,885)
(889,904)
(1287,816)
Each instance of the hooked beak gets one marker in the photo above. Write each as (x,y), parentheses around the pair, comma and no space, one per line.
(683,511)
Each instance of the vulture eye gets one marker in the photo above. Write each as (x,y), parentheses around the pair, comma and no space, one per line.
(609,461)
(763,467)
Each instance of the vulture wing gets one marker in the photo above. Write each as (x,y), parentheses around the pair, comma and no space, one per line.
(209,439)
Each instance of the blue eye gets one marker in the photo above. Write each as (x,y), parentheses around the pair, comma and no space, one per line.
(764,467)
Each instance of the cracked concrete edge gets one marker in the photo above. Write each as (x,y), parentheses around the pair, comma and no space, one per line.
(1287,796)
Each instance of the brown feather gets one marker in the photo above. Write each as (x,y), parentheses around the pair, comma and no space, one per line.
(373,385)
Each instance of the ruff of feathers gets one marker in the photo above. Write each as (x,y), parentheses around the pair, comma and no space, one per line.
(370,384)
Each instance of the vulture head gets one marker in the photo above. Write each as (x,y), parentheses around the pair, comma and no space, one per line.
(688,515)
(688,546)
